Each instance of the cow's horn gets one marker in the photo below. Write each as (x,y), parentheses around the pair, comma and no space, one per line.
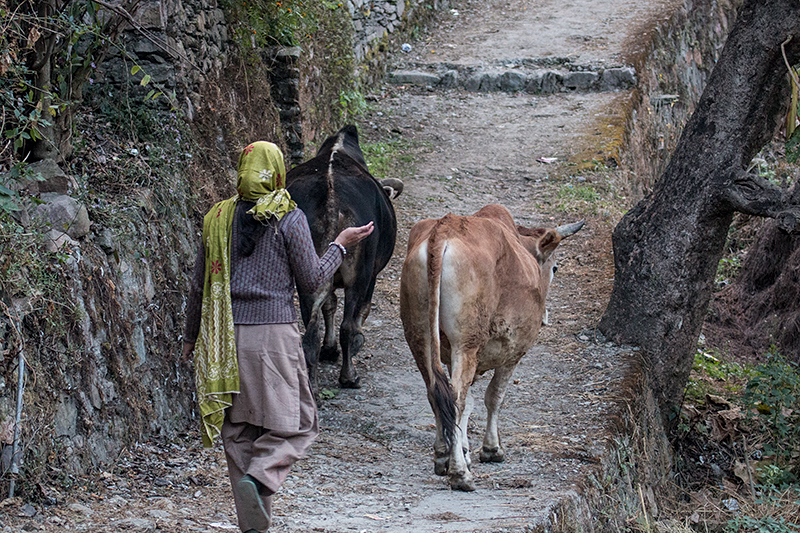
(568,229)
(393,187)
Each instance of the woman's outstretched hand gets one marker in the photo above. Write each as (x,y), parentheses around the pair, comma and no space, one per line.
(354,235)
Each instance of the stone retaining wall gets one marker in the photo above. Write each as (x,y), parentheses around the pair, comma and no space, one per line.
(373,20)
(523,77)
(673,71)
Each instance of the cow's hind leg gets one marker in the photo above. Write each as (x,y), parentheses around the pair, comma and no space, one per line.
(351,340)
(309,309)
(469,404)
(492,451)
(330,350)
(462,374)
(351,337)
(441,452)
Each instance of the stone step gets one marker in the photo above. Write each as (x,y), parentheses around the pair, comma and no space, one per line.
(516,77)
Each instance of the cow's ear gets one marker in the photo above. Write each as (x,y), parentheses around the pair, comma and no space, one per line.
(532,241)
(548,243)
(531,232)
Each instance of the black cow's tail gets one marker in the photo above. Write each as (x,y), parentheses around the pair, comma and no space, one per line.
(440,391)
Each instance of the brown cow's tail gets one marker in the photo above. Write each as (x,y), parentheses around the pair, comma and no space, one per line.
(440,391)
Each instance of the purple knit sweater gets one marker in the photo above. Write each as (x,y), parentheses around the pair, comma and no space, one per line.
(263,284)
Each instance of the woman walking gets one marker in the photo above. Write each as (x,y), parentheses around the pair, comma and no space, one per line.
(241,325)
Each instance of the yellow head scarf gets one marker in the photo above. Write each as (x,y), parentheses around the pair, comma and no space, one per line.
(262,179)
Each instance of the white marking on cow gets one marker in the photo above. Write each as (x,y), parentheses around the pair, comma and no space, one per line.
(451,297)
(336,147)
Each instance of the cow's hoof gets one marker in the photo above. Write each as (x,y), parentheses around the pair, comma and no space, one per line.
(496,455)
(329,354)
(462,483)
(440,466)
(350,383)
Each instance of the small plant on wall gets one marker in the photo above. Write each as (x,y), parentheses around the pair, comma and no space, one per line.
(261,23)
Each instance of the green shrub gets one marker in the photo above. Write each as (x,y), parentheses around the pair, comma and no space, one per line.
(773,399)
(351,104)
(767,524)
(773,512)
(386,157)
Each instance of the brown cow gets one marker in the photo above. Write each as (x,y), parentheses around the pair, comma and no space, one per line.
(472,295)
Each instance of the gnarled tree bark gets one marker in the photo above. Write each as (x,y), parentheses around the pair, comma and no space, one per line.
(667,248)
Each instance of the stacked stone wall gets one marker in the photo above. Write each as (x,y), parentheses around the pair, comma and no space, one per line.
(672,71)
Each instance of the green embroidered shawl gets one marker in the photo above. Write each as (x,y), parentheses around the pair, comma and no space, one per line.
(261,178)
(215,365)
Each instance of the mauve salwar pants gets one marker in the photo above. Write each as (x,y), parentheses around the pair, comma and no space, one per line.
(273,420)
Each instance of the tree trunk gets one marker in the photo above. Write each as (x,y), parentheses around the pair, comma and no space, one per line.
(760,308)
(666,249)
(44,148)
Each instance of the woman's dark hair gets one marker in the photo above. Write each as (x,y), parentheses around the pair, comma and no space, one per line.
(250,229)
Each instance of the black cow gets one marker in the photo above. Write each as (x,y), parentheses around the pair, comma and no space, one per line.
(335,190)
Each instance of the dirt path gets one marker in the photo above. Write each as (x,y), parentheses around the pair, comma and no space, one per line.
(371,469)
